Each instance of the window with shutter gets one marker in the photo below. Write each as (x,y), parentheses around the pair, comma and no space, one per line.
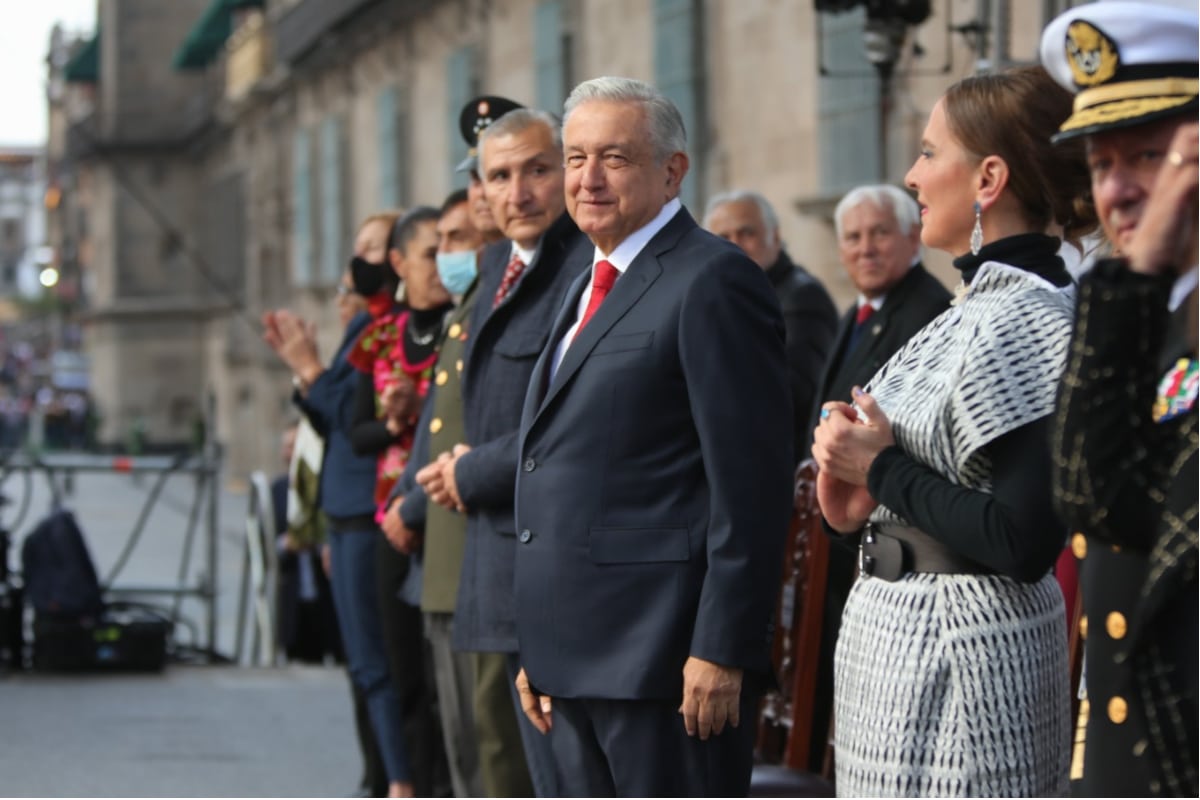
(335,242)
(302,244)
(460,88)
(677,73)
(848,106)
(549,55)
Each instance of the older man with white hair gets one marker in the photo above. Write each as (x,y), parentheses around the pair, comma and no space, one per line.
(747,219)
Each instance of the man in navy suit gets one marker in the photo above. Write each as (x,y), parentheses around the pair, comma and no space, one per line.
(654,482)
(522,283)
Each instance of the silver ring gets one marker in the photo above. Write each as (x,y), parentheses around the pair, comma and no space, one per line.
(1175,158)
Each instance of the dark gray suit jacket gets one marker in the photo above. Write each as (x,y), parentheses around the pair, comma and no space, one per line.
(655,484)
(504,345)
(910,305)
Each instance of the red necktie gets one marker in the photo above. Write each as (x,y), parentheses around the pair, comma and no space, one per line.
(603,278)
(513,271)
(864,313)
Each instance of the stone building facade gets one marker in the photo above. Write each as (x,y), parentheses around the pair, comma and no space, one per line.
(308,115)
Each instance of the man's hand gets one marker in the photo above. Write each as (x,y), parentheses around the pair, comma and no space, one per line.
(535,706)
(430,479)
(450,480)
(1166,233)
(399,535)
(711,697)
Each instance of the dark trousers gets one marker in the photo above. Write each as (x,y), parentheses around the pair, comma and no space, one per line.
(410,664)
(374,781)
(639,748)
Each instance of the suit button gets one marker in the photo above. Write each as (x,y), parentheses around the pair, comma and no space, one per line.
(1083,627)
(1117,710)
(442,377)
(1115,625)
(458,366)
(1079,545)
(454,331)
(1139,749)
(524,536)
(530,465)
(435,425)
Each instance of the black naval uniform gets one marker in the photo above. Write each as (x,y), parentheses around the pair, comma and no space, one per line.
(1128,484)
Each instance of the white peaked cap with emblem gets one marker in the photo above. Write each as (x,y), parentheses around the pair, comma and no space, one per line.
(1128,62)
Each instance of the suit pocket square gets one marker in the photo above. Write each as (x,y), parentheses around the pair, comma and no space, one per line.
(638,545)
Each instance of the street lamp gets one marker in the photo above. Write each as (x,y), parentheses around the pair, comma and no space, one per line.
(884,31)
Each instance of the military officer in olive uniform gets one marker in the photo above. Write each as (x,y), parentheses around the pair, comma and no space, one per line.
(1125,462)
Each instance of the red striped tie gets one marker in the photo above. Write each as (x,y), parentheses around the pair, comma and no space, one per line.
(513,271)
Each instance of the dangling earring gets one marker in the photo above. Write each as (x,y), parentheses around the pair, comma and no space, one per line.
(977,231)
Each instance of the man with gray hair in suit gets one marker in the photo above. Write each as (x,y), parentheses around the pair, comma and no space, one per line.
(748,220)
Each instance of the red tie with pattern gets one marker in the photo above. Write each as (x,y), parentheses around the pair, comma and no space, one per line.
(513,271)
(602,282)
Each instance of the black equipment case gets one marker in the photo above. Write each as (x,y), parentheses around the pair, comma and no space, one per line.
(73,628)
(129,638)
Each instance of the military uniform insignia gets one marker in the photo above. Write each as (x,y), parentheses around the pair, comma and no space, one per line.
(1177,391)
(1091,54)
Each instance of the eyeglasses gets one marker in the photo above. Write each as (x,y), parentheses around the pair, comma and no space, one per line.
(344,291)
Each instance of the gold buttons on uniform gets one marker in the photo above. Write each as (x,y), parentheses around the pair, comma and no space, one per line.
(1117,710)
(1083,626)
(1115,625)
(442,377)
(458,366)
(454,331)
(435,425)
(1079,545)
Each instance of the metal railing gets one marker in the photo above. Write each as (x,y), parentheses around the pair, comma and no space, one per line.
(60,471)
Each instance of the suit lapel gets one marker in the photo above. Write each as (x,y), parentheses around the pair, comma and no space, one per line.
(835,365)
(541,371)
(628,289)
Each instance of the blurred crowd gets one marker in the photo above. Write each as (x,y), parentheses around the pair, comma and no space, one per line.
(40,405)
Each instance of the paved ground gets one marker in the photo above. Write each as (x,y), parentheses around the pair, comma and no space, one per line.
(193,730)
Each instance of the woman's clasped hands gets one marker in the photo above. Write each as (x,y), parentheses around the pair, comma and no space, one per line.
(845,443)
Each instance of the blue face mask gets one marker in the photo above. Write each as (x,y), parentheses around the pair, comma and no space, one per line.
(457,270)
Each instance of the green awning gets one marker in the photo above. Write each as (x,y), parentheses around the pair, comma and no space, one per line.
(84,66)
(208,35)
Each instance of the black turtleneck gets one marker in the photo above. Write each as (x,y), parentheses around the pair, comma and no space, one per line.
(1014,529)
(1032,252)
(421,323)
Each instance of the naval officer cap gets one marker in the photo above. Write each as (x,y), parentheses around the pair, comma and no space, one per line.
(1127,62)
(476,115)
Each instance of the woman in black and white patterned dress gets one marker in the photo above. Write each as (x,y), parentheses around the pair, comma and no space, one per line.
(951,668)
